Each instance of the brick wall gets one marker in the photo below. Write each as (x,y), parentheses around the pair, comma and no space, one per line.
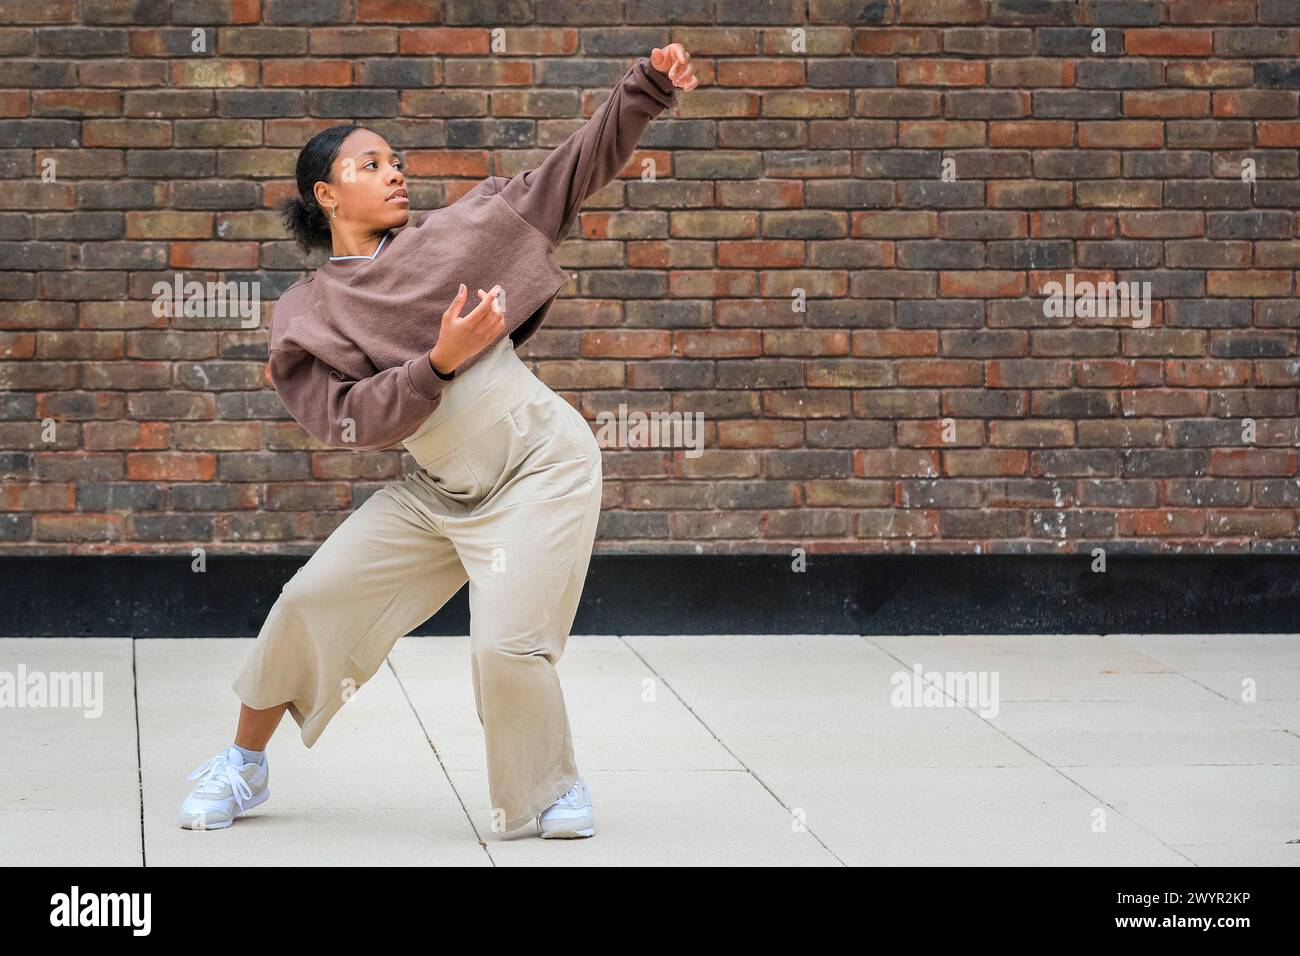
(840,263)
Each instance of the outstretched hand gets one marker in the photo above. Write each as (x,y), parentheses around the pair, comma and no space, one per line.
(676,62)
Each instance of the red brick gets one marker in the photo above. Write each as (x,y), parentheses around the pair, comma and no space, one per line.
(1163,41)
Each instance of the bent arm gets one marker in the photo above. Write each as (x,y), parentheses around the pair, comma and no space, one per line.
(549,196)
(343,412)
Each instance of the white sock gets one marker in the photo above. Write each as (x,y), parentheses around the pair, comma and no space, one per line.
(252,756)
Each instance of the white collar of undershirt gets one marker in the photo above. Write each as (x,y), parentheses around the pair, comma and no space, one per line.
(372,255)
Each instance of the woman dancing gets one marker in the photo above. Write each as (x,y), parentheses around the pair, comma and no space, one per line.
(508,490)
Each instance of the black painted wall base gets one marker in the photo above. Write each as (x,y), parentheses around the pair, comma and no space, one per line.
(706,594)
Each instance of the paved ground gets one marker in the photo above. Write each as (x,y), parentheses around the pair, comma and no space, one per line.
(1112,751)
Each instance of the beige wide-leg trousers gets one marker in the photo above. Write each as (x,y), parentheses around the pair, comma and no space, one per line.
(507,497)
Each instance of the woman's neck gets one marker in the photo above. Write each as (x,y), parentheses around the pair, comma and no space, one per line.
(364,248)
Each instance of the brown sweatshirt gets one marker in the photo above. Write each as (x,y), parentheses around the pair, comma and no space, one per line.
(350,343)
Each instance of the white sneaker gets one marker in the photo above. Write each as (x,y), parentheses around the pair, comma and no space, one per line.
(570,816)
(228,786)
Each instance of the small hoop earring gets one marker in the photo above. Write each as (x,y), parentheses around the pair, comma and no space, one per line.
(335,214)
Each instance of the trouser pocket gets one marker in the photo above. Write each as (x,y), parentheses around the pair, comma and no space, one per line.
(453,477)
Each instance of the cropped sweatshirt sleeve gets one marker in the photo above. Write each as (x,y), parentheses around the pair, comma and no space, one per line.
(343,412)
(549,196)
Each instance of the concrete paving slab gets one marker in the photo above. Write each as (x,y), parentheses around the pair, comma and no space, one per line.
(70,779)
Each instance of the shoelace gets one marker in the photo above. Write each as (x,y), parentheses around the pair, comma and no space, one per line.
(216,769)
(570,797)
(571,794)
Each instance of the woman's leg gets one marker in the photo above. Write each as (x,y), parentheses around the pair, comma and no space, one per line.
(257,726)
(385,570)
(527,562)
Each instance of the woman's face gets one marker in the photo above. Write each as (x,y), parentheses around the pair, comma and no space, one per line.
(365,174)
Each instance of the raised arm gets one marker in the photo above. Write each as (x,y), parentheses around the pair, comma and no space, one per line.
(383,408)
(549,196)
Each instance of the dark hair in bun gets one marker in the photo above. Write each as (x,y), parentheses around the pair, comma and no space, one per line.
(303,217)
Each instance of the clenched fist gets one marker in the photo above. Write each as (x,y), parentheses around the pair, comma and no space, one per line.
(676,62)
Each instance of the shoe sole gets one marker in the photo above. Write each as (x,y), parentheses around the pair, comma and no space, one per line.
(565,834)
(187,823)
(562,829)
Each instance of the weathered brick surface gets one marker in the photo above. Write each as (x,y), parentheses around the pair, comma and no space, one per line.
(839,264)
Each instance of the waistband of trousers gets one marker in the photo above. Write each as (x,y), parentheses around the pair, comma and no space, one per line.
(502,382)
